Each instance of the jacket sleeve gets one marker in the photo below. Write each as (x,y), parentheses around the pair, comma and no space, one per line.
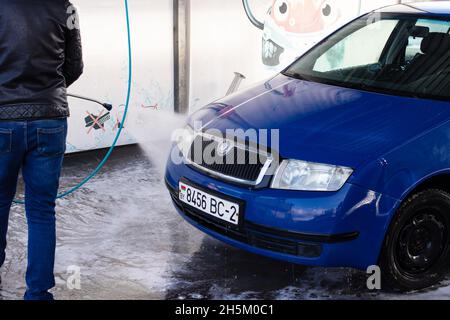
(73,64)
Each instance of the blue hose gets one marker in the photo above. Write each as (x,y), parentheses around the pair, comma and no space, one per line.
(119,132)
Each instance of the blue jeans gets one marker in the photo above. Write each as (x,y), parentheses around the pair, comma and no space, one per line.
(37,148)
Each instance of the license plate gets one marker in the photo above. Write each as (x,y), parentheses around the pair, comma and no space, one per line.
(212,205)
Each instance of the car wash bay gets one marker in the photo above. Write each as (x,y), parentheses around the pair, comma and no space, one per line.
(123,234)
(131,244)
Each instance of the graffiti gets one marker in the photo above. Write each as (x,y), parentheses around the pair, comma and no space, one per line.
(118,124)
(292,26)
(154,107)
(96,122)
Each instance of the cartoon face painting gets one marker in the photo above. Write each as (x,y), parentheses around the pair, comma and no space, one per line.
(291,26)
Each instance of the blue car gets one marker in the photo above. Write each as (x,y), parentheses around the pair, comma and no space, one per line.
(350,166)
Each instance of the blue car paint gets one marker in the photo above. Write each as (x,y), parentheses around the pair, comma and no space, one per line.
(393,144)
(440,8)
(327,124)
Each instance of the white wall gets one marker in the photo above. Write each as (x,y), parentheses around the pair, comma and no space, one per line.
(222,41)
(104,39)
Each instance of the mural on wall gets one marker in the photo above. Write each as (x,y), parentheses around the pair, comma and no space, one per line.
(106,71)
(290,27)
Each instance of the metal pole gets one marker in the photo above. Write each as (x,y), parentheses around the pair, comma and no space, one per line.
(181,12)
(238,77)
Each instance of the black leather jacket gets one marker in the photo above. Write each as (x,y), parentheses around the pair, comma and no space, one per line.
(40,56)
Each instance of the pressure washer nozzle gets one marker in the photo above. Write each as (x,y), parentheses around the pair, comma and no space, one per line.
(108,106)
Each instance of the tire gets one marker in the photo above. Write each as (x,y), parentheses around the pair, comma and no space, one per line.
(416,251)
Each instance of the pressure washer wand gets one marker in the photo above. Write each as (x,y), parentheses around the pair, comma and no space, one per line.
(107,106)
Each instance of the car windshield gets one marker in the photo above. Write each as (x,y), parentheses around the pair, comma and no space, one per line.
(394,54)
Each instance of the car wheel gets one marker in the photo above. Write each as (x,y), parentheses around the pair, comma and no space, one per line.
(416,253)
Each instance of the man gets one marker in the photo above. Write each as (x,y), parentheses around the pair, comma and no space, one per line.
(40,55)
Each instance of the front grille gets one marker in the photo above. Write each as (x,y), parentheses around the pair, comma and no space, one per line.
(240,164)
(250,234)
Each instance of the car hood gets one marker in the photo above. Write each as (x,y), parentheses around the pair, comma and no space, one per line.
(324,123)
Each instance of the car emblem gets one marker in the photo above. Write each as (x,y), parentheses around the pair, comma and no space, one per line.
(224,147)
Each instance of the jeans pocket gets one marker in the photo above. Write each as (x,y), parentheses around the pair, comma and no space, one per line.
(51,141)
(5,140)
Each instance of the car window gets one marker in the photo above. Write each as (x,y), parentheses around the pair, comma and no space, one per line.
(434,25)
(413,48)
(414,42)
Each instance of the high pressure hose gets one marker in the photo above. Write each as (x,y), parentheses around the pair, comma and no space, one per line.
(108,107)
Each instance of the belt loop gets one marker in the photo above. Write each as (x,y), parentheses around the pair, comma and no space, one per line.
(25,130)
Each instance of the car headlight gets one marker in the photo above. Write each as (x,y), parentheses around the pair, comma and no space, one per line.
(307,176)
(184,139)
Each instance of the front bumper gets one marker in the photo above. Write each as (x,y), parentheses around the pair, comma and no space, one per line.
(333,229)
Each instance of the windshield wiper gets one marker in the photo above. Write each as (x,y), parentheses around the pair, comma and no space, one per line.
(295,75)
